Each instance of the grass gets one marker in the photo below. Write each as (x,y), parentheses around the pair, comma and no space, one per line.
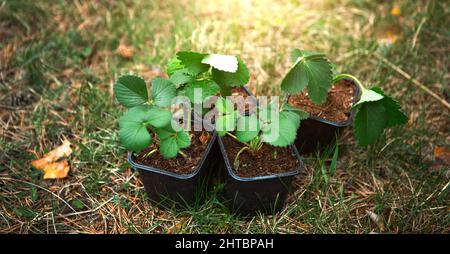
(58,62)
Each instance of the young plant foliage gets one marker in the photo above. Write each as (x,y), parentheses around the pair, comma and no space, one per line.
(206,88)
(311,70)
(145,117)
(130,91)
(172,141)
(269,125)
(376,112)
(224,71)
(226,122)
(133,126)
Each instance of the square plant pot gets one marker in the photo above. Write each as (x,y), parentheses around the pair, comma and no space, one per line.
(165,188)
(247,196)
(316,133)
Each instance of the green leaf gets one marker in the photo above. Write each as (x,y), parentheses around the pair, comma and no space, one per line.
(158,117)
(163,91)
(297,54)
(164,132)
(377,111)
(311,70)
(283,133)
(295,80)
(292,117)
(225,90)
(171,141)
(226,123)
(222,62)
(247,128)
(25,212)
(169,148)
(266,113)
(239,78)
(77,204)
(133,132)
(183,139)
(394,112)
(224,106)
(302,114)
(173,65)
(34,195)
(130,91)
(368,95)
(205,87)
(193,62)
(181,77)
(370,121)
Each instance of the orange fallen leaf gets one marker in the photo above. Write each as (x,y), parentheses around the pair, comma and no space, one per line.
(175,228)
(54,155)
(56,170)
(441,157)
(49,165)
(395,11)
(125,51)
(204,138)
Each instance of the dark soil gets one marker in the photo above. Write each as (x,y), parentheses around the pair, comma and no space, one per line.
(335,109)
(179,164)
(268,161)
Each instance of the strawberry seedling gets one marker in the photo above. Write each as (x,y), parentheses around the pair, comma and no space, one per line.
(375,111)
(148,116)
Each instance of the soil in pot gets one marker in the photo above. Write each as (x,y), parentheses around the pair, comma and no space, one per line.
(268,161)
(179,164)
(248,107)
(335,109)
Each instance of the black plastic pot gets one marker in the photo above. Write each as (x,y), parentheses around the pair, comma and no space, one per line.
(249,195)
(316,133)
(165,188)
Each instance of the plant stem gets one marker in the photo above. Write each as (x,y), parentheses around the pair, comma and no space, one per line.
(344,76)
(231,135)
(182,154)
(236,160)
(235,138)
(151,152)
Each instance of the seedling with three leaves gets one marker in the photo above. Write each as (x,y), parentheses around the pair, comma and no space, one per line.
(376,111)
(148,117)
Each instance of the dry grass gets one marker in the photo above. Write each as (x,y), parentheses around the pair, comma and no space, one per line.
(56,76)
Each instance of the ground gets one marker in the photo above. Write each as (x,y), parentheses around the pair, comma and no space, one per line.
(58,62)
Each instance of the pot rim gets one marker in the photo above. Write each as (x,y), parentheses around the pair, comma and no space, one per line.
(294,172)
(352,110)
(172,174)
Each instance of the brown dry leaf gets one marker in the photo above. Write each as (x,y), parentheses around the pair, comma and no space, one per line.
(56,170)
(204,138)
(6,53)
(377,219)
(125,51)
(49,165)
(175,228)
(441,157)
